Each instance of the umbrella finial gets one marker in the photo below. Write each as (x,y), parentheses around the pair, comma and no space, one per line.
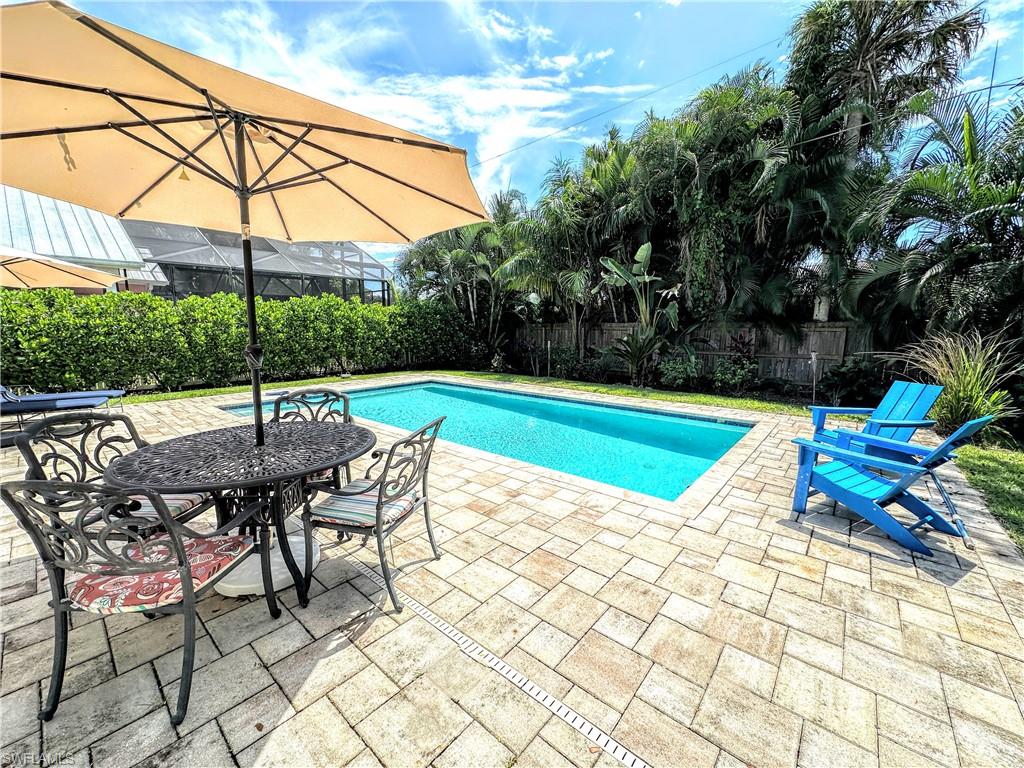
(183,176)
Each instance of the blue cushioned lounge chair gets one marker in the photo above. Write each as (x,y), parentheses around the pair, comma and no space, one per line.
(855,479)
(107,394)
(900,413)
(24,405)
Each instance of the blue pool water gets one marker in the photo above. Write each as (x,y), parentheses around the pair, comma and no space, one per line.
(656,453)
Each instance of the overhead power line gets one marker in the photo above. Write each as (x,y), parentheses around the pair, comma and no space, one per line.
(627,103)
(1019,81)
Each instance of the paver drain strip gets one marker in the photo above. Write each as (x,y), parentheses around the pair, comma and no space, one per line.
(477,652)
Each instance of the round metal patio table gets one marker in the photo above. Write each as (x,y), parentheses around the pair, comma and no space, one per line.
(229,460)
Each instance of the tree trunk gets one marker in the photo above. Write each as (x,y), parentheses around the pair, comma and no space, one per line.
(851,138)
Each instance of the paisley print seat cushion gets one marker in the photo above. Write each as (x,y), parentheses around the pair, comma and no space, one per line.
(106,592)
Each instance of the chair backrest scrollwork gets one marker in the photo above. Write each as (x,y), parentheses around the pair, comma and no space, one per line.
(313,404)
(90,528)
(408,462)
(76,447)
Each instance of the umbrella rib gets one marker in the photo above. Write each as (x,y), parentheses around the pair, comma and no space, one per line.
(101,127)
(164,175)
(282,156)
(90,23)
(420,143)
(373,170)
(170,138)
(102,92)
(170,156)
(350,196)
(223,138)
(298,177)
(18,277)
(273,199)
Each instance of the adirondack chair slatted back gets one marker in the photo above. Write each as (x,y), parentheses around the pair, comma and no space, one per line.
(940,455)
(905,401)
(963,435)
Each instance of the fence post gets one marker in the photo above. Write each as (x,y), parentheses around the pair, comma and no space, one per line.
(814,377)
(549,358)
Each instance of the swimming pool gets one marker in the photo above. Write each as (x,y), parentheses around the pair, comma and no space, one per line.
(652,452)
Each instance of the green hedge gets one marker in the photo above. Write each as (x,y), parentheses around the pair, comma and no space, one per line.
(54,340)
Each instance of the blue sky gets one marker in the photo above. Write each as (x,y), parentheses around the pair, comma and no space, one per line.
(492,76)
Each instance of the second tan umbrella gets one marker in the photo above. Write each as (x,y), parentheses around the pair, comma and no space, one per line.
(101,116)
(22,269)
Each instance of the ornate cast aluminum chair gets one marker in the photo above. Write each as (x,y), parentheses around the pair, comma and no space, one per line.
(377,507)
(78,447)
(316,404)
(93,530)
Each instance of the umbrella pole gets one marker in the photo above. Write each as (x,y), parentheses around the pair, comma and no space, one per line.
(253,352)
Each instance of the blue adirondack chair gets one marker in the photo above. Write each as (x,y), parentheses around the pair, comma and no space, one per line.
(852,478)
(900,413)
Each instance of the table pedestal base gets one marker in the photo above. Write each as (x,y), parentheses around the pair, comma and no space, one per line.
(247,578)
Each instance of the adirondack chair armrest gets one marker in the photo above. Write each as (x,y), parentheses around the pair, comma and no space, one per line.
(898,446)
(819,412)
(860,459)
(915,423)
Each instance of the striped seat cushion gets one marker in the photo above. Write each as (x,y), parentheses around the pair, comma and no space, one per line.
(177,504)
(360,509)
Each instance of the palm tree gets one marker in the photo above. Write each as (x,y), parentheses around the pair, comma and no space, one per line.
(879,54)
(555,260)
(953,220)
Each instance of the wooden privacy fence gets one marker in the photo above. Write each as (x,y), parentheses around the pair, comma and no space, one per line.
(778,356)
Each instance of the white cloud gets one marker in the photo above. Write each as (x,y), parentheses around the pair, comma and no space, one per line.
(614,90)
(490,24)
(638,15)
(640,64)
(1004,26)
(511,102)
(673,3)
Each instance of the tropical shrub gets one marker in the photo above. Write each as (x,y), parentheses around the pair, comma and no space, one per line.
(678,372)
(975,371)
(856,381)
(597,366)
(734,375)
(565,362)
(54,340)
(638,350)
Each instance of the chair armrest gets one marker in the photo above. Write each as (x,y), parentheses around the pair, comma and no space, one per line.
(234,522)
(831,410)
(910,449)
(915,423)
(330,489)
(819,412)
(860,459)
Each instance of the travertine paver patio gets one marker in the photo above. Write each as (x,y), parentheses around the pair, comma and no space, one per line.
(714,631)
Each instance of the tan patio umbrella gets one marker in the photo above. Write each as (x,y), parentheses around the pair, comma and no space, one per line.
(22,269)
(104,117)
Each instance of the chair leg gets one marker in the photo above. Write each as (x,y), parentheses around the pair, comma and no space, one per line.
(805,460)
(307,564)
(188,658)
(263,547)
(386,571)
(60,657)
(896,531)
(430,529)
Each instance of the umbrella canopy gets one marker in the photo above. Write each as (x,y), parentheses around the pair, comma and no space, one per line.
(21,269)
(98,115)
